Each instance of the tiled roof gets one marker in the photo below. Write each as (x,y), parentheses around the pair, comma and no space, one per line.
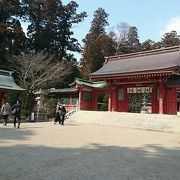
(96,84)
(7,82)
(148,61)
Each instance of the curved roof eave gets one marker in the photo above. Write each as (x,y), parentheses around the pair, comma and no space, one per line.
(7,82)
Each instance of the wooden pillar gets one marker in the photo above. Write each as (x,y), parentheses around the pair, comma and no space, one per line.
(161,97)
(71,100)
(155,102)
(2,95)
(95,101)
(80,98)
(114,100)
(110,101)
(126,102)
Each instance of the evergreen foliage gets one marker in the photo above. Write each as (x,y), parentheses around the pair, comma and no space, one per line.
(12,37)
(97,44)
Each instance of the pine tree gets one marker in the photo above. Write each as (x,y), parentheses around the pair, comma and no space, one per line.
(12,38)
(146,45)
(97,44)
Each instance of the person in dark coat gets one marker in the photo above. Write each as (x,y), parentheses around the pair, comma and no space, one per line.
(16,110)
(62,114)
(57,117)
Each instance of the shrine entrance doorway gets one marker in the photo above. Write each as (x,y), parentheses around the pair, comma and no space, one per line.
(103,101)
(139,99)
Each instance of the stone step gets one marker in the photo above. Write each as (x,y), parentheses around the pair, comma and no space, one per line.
(166,123)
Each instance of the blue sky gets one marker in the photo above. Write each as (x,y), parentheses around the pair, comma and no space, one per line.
(152,17)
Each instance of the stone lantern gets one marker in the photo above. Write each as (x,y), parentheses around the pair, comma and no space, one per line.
(40,112)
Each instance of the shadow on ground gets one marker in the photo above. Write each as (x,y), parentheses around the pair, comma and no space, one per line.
(93,162)
(11,134)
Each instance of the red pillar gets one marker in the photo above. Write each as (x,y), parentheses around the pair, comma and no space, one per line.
(114,100)
(161,97)
(70,100)
(79,100)
(110,101)
(95,101)
(155,102)
(126,99)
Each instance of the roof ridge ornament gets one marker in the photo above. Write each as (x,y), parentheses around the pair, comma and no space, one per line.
(106,59)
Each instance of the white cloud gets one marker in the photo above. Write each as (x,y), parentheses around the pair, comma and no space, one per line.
(172,25)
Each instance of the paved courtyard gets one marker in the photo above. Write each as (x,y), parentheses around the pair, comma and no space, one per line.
(79,151)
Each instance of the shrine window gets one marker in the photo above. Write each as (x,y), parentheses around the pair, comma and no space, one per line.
(86,96)
(121,94)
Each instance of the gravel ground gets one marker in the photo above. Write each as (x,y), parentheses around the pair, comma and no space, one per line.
(77,151)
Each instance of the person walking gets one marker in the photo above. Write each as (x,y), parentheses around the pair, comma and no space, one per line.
(62,114)
(5,112)
(16,109)
(57,117)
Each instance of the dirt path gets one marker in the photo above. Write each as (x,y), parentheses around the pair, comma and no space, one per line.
(44,151)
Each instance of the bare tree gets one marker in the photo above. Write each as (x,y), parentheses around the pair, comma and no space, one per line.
(38,70)
(120,34)
(35,71)
(122,31)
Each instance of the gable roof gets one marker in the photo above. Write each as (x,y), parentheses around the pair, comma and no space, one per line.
(166,59)
(88,83)
(7,82)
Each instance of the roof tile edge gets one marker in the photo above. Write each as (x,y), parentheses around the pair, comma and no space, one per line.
(143,53)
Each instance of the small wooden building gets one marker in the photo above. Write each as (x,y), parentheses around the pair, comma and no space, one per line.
(7,84)
(153,74)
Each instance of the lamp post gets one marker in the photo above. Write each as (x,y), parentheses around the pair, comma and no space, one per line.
(41,114)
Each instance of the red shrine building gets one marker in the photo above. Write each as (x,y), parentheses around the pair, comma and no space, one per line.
(127,83)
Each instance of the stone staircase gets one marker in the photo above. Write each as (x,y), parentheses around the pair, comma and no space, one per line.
(157,122)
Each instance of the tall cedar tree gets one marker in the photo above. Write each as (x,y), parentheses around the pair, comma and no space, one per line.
(12,37)
(50,27)
(133,39)
(97,44)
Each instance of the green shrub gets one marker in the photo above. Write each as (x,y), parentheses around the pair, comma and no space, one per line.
(51,107)
(25,112)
